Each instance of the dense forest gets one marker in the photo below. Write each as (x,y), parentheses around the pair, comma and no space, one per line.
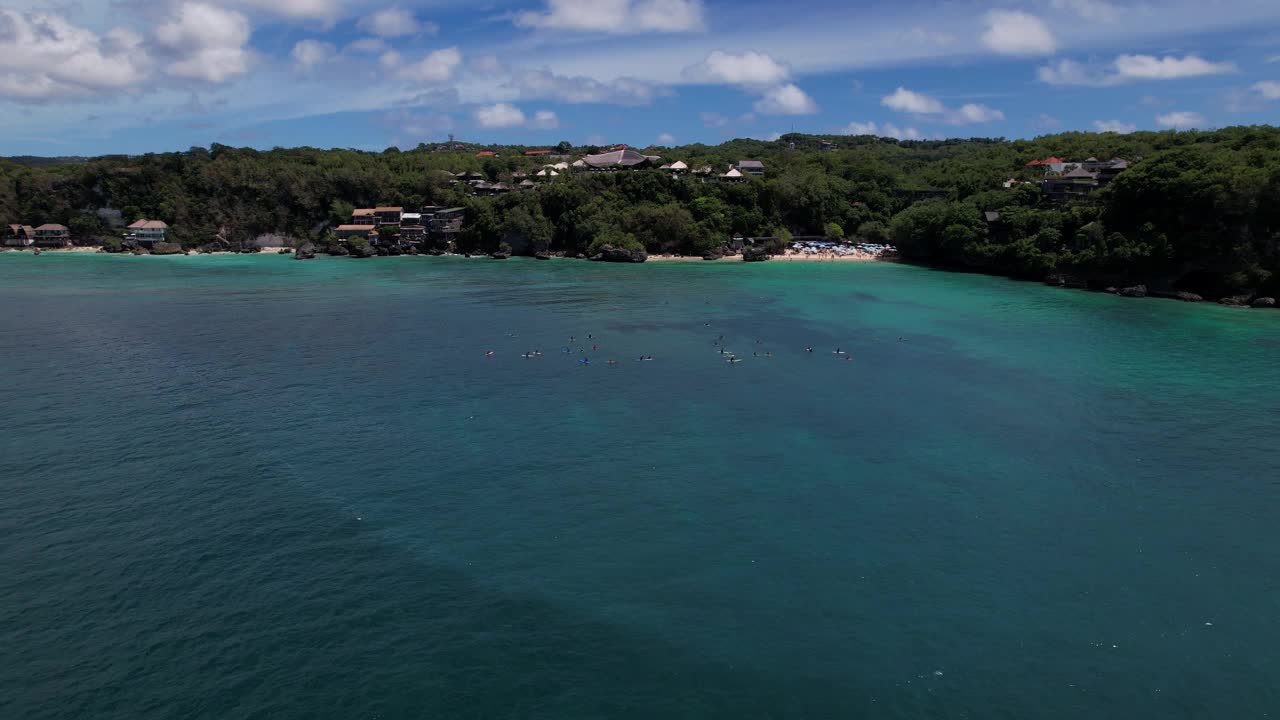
(1196,211)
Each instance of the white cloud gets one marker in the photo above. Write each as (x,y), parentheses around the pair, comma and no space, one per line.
(368,45)
(395,22)
(931,38)
(1131,68)
(906,133)
(904,100)
(531,84)
(887,130)
(1268,89)
(786,100)
(1181,120)
(310,53)
(1147,67)
(209,42)
(749,69)
(907,101)
(544,120)
(857,128)
(617,16)
(666,139)
(44,57)
(1095,11)
(488,65)
(1046,122)
(326,10)
(411,127)
(438,66)
(971,113)
(501,115)
(1114,126)
(713,120)
(1273,59)
(1012,32)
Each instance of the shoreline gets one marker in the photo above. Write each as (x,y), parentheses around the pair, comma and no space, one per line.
(1242,301)
(789,257)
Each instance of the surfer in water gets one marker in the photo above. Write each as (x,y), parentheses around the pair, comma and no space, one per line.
(489,354)
(809,349)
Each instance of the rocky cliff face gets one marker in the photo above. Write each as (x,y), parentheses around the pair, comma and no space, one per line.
(609,253)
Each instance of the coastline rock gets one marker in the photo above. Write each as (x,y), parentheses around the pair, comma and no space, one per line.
(1135,291)
(1182,295)
(609,253)
(542,255)
(166,248)
(362,251)
(413,250)
(1065,280)
(305,251)
(1111,289)
(435,252)
(1235,301)
(1264,302)
(581,256)
(338,250)
(754,254)
(139,251)
(713,254)
(500,254)
(250,249)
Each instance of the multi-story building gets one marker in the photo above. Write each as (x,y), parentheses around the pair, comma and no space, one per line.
(147,232)
(53,235)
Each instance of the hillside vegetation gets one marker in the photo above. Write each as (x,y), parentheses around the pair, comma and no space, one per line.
(1198,211)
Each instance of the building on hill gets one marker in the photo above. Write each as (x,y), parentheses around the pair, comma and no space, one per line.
(1050,165)
(19,235)
(734,175)
(147,232)
(52,235)
(750,167)
(388,215)
(1077,184)
(364,216)
(345,232)
(623,159)
(536,153)
(486,154)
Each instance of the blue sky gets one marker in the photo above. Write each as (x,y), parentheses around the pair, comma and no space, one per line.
(133,76)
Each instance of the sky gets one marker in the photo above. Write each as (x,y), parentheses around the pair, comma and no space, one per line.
(90,77)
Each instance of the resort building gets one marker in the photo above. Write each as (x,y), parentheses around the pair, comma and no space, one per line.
(733,176)
(53,235)
(750,167)
(147,232)
(345,232)
(388,215)
(622,159)
(19,235)
(363,216)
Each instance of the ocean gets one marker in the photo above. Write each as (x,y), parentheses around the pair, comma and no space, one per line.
(249,487)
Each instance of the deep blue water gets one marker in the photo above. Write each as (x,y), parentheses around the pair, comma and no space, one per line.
(248,487)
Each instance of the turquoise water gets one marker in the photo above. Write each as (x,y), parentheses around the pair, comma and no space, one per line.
(249,487)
